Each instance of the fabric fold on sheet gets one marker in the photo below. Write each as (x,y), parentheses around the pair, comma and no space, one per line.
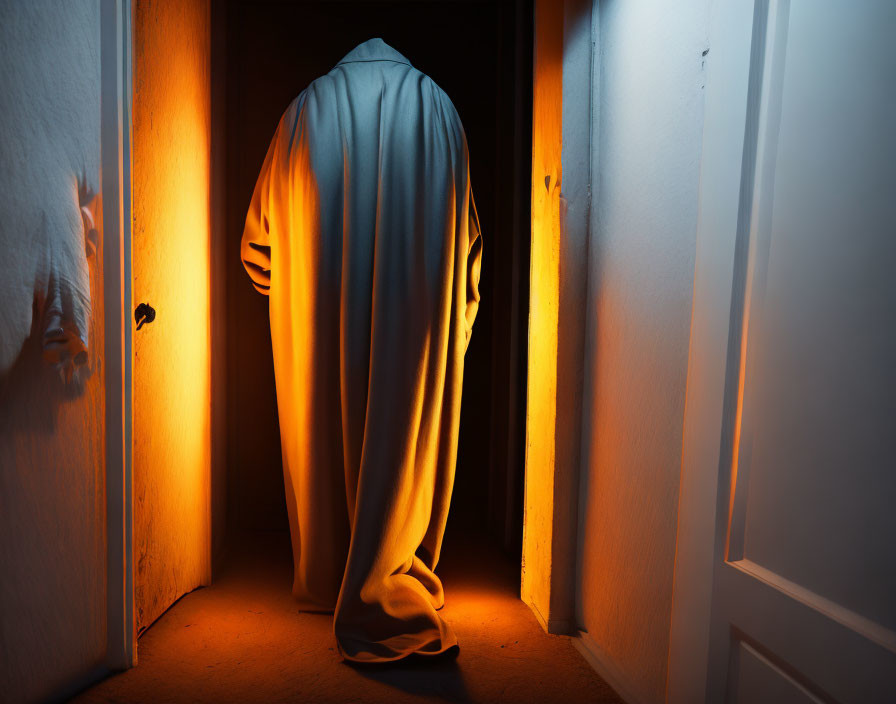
(363,232)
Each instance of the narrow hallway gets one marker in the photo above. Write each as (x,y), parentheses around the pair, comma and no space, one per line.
(242,640)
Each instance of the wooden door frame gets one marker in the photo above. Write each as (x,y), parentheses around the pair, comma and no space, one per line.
(562,125)
(728,158)
(116,96)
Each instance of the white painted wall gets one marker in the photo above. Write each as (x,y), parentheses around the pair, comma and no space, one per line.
(52,506)
(647,127)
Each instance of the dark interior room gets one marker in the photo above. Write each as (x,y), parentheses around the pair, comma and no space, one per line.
(480,54)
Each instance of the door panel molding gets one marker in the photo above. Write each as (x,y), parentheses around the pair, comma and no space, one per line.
(867,628)
(764,601)
(760,677)
(729,611)
(715,341)
(754,226)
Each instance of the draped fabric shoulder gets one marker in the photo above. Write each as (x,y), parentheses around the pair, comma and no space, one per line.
(363,232)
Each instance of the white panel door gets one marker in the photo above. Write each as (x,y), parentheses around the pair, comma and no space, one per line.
(795,334)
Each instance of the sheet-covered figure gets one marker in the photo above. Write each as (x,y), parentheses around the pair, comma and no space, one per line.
(363,231)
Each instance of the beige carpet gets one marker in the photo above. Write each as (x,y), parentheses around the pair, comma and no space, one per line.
(242,640)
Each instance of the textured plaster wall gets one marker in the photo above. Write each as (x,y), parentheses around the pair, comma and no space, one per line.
(52,506)
(171,266)
(648,92)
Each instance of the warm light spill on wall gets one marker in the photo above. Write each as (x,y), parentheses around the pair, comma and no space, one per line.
(171,264)
(544,282)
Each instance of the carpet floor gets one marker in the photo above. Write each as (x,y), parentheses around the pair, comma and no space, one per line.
(242,640)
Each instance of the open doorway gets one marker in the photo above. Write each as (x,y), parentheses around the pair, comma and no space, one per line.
(264,54)
(207,451)
(218,77)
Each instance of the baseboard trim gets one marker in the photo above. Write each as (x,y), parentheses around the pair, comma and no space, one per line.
(80,684)
(553,626)
(559,628)
(542,621)
(605,667)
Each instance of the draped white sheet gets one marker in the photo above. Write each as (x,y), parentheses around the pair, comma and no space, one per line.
(362,230)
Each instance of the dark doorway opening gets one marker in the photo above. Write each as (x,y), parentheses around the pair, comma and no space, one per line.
(264,54)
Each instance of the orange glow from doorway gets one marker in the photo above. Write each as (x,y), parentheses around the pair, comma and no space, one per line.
(544,282)
(171,268)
